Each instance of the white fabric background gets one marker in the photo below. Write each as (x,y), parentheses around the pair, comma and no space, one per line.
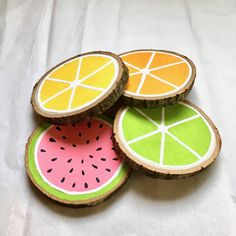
(35,35)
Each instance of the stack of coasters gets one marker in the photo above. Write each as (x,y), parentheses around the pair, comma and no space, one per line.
(76,158)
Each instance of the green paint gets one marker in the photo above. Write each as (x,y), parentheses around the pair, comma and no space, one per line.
(152,147)
(195,134)
(153,113)
(61,195)
(175,154)
(135,125)
(177,112)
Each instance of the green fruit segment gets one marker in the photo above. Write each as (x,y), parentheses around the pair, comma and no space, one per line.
(175,154)
(135,125)
(149,153)
(153,113)
(195,134)
(177,113)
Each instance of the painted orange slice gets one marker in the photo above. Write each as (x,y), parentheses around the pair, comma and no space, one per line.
(157,74)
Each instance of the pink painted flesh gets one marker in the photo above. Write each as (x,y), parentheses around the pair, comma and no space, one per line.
(78,157)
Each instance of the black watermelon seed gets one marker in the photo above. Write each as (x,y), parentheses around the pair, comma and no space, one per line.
(85,185)
(87,141)
(113,148)
(74,145)
(82,161)
(98,180)
(58,128)
(42,150)
(94,166)
(69,161)
(115,159)
(54,159)
(80,134)
(89,124)
(52,140)
(63,179)
(111,136)
(100,126)
(49,170)
(64,137)
(73,125)
(73,185)
(103,159)
(62,148)
(99,149)
(83,172)
(108,170)
(71,170)
(97,138)
(91,156)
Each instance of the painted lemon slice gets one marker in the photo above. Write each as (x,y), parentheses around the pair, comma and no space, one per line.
(173,141)
(86,84)
(157,77)
(75,164)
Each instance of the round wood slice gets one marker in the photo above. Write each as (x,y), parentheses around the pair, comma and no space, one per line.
(84,85)
(169,142)
(157,77)
(75,165)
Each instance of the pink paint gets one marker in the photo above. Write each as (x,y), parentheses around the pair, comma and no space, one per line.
(88,164)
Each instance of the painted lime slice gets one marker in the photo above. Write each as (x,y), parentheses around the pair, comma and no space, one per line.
(183,141)
(75,164)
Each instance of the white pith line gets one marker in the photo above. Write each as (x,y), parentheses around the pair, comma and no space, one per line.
(90,87)
(184,145)
(78,70)
(162,80)
(58,80)
(167,65)
(94,72)
(55,95)
(183,121)
(135,67)
(135,73)
(74,88)
(147,117)
(162,137)
(143,136)
(144,74)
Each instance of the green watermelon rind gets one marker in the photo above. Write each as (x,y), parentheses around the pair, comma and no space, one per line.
(124,171)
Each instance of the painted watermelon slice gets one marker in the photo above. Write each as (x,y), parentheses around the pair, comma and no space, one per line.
(75,164)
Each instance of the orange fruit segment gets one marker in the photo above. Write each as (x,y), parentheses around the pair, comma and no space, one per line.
(162,73)
(77,83)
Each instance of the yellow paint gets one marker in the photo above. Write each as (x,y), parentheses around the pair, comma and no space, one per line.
(96,72)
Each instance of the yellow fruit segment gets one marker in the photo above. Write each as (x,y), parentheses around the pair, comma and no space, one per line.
(61,101)
(163,72)
(102,78)
(83,96)
(51,88)
(66,72)
(154,86)
(91,64)
(78,82)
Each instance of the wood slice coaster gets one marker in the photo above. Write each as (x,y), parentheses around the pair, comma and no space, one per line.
(169,142)
(87,84)
(75,165)
(157,77)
